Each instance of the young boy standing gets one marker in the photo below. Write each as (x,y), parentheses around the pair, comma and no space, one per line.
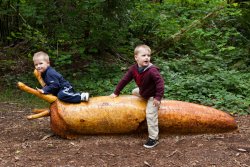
(55,83)
(150,86)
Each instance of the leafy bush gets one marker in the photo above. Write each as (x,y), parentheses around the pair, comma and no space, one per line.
(223,89)
(208,64)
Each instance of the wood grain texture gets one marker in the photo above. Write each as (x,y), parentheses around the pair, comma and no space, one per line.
(184,117)
(47,97)
(126,114)
(39,78)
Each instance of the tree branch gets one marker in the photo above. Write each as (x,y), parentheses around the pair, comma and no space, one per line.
(177,36)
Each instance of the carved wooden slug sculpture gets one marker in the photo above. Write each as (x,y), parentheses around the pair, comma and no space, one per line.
(126,114)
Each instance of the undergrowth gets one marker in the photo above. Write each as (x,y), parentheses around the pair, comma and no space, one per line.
(227,90)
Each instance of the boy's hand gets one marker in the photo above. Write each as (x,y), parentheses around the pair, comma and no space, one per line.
(156,103)
(113,95)
(40,90)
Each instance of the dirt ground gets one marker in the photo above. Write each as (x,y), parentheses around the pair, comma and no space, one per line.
(31,143)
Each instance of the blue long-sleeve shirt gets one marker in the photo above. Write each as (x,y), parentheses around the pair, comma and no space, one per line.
(54,81)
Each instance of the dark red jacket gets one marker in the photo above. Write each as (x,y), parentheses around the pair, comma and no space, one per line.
(150,82)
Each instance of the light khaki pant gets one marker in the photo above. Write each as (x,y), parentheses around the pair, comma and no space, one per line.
(151,116)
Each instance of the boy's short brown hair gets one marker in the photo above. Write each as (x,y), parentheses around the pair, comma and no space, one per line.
(137,48)
(41,54)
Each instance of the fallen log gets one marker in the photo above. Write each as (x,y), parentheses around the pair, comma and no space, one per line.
(126,114)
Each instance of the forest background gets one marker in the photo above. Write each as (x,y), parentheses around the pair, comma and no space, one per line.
(202,47)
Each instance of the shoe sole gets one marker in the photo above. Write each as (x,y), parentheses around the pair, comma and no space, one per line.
(146,146)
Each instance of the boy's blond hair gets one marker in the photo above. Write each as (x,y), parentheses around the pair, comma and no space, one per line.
(41,54)
(137,48)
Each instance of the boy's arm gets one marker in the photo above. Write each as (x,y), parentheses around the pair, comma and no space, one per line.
(123,82)
(156,102)
(159,83)
(113,95)
(40,90)
(53,84)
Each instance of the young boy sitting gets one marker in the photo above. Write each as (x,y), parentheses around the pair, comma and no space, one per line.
(150,87)
(55,83)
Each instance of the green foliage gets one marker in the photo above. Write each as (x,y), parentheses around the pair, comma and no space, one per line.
(209,64)
(22,98)
(100,80)
(227,90)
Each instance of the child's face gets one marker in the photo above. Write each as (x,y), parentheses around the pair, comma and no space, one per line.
(143,57)
(41,64)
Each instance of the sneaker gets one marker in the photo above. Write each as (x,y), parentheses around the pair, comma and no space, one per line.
(85,96)
(151,143)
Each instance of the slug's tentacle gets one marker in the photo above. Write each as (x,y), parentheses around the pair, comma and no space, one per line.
(47,97)
(39,115)
(39,78)
(36,111)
